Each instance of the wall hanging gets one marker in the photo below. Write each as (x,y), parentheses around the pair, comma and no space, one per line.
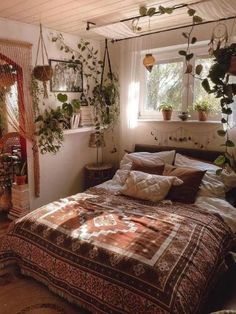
(183,136)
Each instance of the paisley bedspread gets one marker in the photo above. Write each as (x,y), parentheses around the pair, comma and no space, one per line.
(112,254)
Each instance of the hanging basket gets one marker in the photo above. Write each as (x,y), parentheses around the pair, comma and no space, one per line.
(7,80)
(43,73)
(232,67)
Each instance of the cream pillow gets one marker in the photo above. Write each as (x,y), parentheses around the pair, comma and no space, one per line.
(147,186)
(147,159)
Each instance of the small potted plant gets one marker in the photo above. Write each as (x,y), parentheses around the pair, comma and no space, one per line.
(21,173)
(203,108)
(166,110)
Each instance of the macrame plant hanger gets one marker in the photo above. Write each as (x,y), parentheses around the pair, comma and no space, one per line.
(43,72)
(110,76)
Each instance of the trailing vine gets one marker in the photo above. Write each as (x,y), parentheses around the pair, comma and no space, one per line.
(225,91)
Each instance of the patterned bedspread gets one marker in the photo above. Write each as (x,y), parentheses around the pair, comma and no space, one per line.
(112,254)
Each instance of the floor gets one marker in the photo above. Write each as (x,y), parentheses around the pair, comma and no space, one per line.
(222,297)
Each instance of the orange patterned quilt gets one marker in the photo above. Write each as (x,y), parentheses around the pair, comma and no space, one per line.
(112,254)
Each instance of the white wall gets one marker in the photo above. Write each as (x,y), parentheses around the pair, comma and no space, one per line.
(61,174)
(142,132)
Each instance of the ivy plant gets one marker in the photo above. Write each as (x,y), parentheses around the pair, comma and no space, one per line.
(50,125)
(218,83)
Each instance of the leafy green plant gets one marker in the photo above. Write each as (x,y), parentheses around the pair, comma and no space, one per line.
(223,90)
(68,108)
(50,126)
(202,106)
(165,107)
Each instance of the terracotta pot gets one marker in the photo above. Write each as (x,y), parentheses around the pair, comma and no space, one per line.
(43,72)
(20,180)
(232,67)
(7,80)
(166,114)
(202,115)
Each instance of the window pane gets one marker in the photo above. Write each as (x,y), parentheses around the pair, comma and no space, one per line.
(199,93)
(164,84)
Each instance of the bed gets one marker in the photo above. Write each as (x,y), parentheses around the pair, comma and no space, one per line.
(110,253)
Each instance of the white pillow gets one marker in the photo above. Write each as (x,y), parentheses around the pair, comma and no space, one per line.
(150,187)
(183,161)
(212,184)
(120,176)
(145,158)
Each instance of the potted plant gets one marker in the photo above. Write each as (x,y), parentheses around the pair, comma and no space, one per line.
(71,110)
(166,110)
(21,173)
(203,108)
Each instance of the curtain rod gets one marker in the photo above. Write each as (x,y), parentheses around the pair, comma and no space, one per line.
(158,13)
(175,28)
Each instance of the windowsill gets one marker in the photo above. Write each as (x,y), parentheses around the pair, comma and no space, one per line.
(79,130)
(180,121)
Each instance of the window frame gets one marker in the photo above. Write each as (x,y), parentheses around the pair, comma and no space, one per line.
(163,55)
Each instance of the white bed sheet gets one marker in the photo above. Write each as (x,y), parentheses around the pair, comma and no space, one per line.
(209,204)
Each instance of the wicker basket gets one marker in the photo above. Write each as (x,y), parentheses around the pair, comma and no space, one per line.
(43,72)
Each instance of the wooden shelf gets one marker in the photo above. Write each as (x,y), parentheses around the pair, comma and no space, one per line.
(79,130)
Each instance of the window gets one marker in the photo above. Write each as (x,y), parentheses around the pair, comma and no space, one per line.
(199,93)
(168,84)
(164,84)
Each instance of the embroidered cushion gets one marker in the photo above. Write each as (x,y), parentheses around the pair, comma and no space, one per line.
(147,186)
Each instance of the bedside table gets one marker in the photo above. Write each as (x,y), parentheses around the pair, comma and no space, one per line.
(97,174)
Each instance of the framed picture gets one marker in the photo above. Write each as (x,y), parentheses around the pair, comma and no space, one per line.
(67,76)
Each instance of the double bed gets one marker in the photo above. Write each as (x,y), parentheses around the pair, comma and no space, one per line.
(111,253)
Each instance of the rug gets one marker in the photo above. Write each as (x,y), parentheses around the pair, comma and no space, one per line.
(23,295)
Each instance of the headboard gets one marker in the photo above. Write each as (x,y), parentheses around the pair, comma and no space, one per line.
(207,155)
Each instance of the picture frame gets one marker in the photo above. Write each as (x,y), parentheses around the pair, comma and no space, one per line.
(67,76)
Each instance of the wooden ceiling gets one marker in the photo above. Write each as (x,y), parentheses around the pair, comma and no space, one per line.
(70,16)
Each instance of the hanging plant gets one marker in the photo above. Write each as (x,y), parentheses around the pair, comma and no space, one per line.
(219,74)
(43,72)
(50,126)
(101,90)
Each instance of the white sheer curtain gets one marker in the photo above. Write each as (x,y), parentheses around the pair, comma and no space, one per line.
(130,61)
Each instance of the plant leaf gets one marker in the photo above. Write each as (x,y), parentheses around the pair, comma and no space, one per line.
(206,85)
(221,132)
(229,143)
(62,97)
(189,56)
(182,52)
(220,160)
(191,12)
(194,40)
(151,11)
(143,11)
(199,69)
(197,19)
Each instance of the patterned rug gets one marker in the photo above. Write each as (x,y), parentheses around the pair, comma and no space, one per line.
(22,295)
